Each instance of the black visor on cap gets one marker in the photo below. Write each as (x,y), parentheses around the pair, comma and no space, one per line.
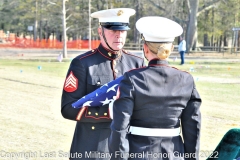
(115,26)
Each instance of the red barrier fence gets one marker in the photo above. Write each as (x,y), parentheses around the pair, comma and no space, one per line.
(47,44)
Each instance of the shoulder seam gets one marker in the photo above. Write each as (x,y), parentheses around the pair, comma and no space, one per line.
(124,51)
(180,70)
(88,55)
(169,67)
(137,68)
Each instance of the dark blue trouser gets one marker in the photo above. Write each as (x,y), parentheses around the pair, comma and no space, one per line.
(182,53)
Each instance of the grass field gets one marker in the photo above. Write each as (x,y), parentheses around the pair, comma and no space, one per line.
(30,96)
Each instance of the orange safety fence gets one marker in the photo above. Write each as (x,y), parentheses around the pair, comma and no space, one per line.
(11,42)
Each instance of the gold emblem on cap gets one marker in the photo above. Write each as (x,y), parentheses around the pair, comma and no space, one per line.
(120,12)
(110,54)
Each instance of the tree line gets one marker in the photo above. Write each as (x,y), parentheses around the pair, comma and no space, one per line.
(206,22)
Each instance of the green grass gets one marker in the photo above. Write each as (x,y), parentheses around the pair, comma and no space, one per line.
(49,66)
(30,103)
(219,86)
(30,114)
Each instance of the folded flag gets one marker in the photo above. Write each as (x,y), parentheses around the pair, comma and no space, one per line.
(101,96)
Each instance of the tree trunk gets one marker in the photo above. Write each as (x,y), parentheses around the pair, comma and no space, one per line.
(212,41)
(213,17)
(64,29)
(205,39)
(41,22)
(220,44)
(192,24)
(46,32)
(225,42)
(36,22)
(238,44)
(40,33)
(135,32)
(205,36)
(89,27)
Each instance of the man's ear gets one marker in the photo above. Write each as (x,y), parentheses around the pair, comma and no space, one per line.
(145,47)
(100,31)
(172,47)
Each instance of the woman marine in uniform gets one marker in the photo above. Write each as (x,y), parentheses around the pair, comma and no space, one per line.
(157,112)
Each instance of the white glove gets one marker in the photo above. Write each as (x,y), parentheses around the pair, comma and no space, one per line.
(110,107)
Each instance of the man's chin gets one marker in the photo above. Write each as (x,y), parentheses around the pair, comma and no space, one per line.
(118,47)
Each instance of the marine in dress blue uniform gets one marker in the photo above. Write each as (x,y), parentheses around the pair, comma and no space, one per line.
(86,73)
(156,104)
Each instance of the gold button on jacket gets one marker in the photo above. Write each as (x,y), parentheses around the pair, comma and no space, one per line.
(89,68)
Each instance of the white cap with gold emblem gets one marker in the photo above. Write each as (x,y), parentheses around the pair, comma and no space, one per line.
(114,19)
(158,29)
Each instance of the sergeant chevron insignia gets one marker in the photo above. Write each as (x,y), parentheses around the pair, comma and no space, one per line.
(71,83)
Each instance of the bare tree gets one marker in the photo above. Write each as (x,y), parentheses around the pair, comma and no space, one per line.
(192,23)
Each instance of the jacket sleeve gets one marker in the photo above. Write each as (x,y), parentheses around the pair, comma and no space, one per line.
(68,97)
(191,123)
(122,112)
(85,114)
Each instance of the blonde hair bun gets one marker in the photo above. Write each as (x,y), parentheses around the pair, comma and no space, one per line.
(163,52)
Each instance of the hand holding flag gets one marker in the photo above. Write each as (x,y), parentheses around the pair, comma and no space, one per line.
(99,97)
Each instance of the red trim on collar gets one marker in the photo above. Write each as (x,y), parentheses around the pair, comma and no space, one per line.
(95,50)
(156,59)
(159,65)
(181,70)
(104,55)
(168,66)
(137,68)
(108,49)
(109,57)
